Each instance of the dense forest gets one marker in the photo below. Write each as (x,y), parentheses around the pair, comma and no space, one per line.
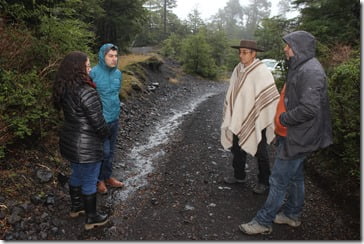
(35,35)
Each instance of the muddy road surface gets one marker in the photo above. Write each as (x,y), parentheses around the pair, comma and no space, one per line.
(185,198)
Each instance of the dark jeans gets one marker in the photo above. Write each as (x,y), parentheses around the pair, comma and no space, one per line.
(109,148)
(239,160)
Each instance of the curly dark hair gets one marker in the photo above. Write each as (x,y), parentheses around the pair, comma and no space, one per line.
(71,74)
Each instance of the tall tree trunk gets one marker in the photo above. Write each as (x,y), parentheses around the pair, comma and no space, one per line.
(165,18)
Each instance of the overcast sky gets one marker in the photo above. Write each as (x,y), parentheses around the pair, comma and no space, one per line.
(207,8)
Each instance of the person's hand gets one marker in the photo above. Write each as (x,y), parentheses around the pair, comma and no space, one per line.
(281,119)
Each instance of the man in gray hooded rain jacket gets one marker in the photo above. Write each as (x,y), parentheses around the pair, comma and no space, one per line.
(308,128)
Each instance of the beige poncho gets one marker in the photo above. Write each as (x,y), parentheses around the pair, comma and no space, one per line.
(249,107)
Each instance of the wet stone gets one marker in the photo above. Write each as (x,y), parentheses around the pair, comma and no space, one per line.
(50,200)
(54,229)
(44,175)
(43,235)
(14,218)
(154,201)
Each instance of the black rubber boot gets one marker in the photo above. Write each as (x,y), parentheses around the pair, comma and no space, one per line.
(93,218)
(76,201)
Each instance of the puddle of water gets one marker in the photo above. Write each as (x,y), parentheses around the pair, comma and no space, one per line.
(143,157)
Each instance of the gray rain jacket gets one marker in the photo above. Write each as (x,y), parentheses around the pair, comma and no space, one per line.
(307,117)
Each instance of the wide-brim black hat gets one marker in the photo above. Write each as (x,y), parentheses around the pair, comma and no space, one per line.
(249,44)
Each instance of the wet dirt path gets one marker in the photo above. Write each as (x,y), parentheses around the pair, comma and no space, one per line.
(184,198)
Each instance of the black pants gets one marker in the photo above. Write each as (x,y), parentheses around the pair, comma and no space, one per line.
(239,160)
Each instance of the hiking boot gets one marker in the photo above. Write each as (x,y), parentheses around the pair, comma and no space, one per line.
(114,182)
(281,218)
(260,188)
(253,228)
(233,180)
(101,187)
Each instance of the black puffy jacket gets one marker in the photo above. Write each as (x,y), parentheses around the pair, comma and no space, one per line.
(84,128)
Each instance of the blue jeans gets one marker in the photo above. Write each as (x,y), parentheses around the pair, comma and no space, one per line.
(287,179)
(85,175)
(109,148)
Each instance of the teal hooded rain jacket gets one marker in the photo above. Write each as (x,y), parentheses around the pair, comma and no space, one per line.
(108,83)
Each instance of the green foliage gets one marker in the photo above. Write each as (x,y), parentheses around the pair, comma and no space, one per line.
(85,11)
(194,22)
(205,53)
(122,21)
(257,9)
(172,46)
(161,24)
(232,56)
(30,55)
(331,21)
(269,36)
(344,91)
(219,45)
(197,57)
(25,12)
(17,44)
(24,102)
(152,32)
(59,37)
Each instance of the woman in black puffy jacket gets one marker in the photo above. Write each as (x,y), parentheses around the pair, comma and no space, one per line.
(82,134)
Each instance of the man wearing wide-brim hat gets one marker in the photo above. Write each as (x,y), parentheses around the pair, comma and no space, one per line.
(248,118)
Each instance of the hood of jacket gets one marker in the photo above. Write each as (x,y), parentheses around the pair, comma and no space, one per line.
(303,45)
(102,52)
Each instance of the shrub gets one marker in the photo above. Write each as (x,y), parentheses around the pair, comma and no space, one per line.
(16,44)
(342,159)
(344,94)
(60,36)
(197,57)
(28,62)
(172,46)
(24,100)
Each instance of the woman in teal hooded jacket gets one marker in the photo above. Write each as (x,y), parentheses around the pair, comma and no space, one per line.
(108,79)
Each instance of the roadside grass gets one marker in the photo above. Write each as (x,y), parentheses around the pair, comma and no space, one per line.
(134,75)
(126,60)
